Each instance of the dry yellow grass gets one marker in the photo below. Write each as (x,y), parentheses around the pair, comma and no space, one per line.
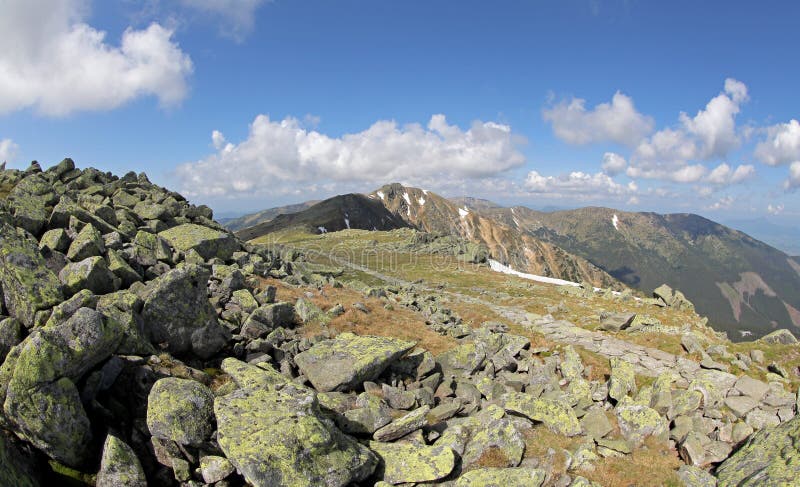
(652,465)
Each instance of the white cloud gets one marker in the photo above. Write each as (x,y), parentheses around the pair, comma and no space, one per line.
(54,62)
(724,175)
(576,184)
(217,139)
(774,209)
(793,181)
(710,134)
(617,121)
(613,163)
(8,150)
(285,153)
(237,16)
(722,204)
(782,145)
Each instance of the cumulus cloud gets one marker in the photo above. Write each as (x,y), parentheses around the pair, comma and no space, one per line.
(782,144)
(725,175)
(276,152)
(722,204)
(774,209)
(577,184)
(711,134)
(617,121)
(793,181)
(613,163)
(8,150)
(237,16)
(51,60)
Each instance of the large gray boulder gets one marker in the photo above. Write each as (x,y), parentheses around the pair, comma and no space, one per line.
(770,457)
(348,360)
(29,201)
(274,433)
(180,410)
(207,242)
(91,273)
(177,311)
(27,284)
(41,400)
(781,337)
(119,466)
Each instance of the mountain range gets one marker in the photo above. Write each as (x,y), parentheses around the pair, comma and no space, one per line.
(743,285)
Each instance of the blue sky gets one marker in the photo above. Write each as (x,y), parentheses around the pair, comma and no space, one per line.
(245,104)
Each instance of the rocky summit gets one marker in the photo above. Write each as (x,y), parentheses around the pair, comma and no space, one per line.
(144,344)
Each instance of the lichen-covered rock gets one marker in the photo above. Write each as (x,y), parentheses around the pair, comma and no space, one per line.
(769,457)
(310,312)
(120,268)
(55,239)
(348,360)
(180,410)
(556,415)
(207,242)
(407,462)
(42,400)
(91,273)
(177,311)
(18,468)
(124,307)
(637,422)
(782,336)
(28,285)
(29,201)
(505,477)
(696,477)
(464,359)
(214,468)
(119,466)
(148,249)
(369,414)
(266,318)
(617,321)
(10,335)
(87,243)
(623,379)
(403,425)
(275,435)
(497,435)
(571,365)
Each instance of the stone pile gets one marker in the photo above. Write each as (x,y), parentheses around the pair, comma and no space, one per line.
(142,345)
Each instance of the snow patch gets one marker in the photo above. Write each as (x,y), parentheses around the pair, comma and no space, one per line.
(512,211)
(407,198)
(322,229)
(347,222)
(516,222)
(615,221)
(425,191)
(380,194)
(498,267)
(463,212)
(421,201)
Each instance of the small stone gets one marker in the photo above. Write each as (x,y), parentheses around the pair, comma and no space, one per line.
(404,425)
(215,468)
(119,466)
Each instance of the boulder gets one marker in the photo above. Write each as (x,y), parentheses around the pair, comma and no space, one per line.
(10,335)
(637,422)
(55,239)
(665,294)
(119,466)
(407,462)
(623,379)
(180,410)
(41,399)
(403,425)
(88,243)
(780,337)
(124,307)
(177,311)
(276,435)
(495,435)
(348,360)
(769,457)
(556,415)
(266,318)
(214,468)
(19,467)
(91,273)
(120,268)
(462,360)
(696,477)
(27,284)
(505,477)
(29,201)
(207,242)
(616,321)
(571,365)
